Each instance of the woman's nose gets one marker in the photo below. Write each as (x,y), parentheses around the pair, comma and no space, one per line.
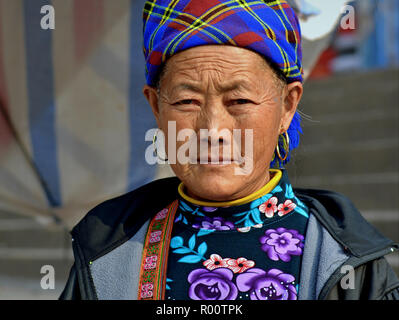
(215,128)
(214,116)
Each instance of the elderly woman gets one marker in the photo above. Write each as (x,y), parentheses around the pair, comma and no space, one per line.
(231,227)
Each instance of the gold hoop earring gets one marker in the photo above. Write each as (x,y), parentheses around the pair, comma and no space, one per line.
(154,139)
(287,138)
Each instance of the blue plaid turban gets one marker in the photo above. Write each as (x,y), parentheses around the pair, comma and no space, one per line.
(269,28)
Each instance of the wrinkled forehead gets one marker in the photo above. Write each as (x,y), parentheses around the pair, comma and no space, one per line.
(223,54)
(222,62)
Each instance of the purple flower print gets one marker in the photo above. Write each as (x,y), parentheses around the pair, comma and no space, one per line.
(267,285)
(281,244)
(212,285)
(216,223)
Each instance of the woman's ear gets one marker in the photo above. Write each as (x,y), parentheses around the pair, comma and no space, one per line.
(151,95)
(293,94)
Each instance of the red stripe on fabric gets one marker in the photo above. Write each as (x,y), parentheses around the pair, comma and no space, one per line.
(197,8)
(88,25)
(177,26)
(155,58)
(214,21)
(247,38)
(278,6)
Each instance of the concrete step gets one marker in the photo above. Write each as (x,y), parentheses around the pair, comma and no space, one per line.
(19,235)
(386,221)
(12,215)
(351,132)
(24,268)
(361,165)
(388,228)
(393,260)
(12,288)
(317,102)
(366,196)
(26,245)
(356,92)
(360,162)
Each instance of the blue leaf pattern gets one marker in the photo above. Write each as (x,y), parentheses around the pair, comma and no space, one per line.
(176,242)
(301,211)
(251,217)
(204,232)
(182,250)
(184,207)
(191,242)
(202,248)
(167,286)
(190,259)
(289,193)
(194,256)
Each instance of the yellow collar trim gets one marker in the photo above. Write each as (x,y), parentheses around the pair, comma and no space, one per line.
(273,182)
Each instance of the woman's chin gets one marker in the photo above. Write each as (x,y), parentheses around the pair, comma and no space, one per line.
(221,186)
(218,169)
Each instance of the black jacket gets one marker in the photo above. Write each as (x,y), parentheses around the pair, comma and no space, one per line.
(112,223)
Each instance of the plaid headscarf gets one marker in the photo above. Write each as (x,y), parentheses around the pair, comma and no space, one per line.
(267,27)
(270,28)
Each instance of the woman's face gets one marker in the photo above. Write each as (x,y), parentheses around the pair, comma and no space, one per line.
(219,87)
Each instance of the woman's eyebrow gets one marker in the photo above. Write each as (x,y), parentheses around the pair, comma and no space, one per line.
(236,85)
(187,86)
(239,84)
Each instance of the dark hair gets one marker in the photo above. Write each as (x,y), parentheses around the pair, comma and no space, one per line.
(280,75)
(159,76)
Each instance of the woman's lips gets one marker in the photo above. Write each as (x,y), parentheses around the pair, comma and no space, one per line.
(220,161)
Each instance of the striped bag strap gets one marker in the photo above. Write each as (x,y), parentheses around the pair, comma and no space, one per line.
(155,255)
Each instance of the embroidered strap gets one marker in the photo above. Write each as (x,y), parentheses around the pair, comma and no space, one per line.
(155,255)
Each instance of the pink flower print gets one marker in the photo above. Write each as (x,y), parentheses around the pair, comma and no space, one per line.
(146,290)
(215,261)
(269,207)
(161,214)
(155,236)
(286,207)
(150,262)
(240,265)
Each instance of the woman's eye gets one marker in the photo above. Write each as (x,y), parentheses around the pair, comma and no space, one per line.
(185,101)
(241,101)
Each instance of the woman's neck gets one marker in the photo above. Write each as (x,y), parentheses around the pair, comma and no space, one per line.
(267,184)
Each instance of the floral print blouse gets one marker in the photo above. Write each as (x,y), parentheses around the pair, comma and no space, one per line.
(250,251)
